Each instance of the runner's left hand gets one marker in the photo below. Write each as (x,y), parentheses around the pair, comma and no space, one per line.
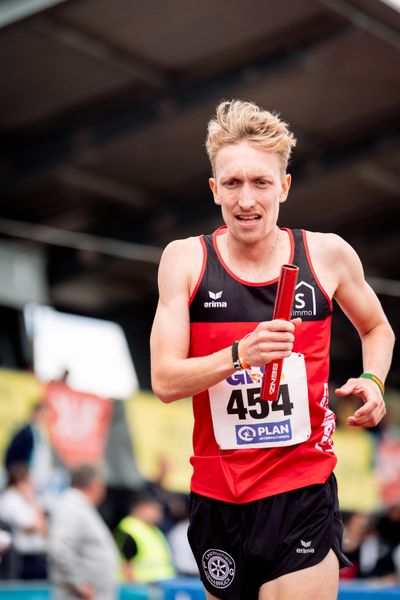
(373,410)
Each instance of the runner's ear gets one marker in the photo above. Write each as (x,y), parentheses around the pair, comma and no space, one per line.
(213,186)
(285,187)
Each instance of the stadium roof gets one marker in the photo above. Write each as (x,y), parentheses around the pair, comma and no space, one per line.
(103,110)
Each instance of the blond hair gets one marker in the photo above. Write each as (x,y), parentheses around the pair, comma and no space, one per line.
(236,120)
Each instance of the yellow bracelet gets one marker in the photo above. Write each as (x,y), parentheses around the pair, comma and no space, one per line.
(243,363)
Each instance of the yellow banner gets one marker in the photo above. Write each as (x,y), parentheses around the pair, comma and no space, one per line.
(19,392)
(162,438)
(357,481)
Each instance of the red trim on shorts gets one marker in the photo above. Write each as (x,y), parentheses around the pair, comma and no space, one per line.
(313,271)
(203,268)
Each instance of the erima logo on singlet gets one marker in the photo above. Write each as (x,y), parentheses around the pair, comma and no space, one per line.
(304,300)
(215,301)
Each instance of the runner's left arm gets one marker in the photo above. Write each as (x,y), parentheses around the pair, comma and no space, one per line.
(361,305)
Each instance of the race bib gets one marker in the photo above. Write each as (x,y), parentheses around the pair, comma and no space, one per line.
(242,420)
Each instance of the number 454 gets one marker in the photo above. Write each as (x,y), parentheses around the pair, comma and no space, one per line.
(248,401)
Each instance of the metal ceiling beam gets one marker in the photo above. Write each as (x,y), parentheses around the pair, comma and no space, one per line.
(363,20)
(12,11)
(384,287)
(126,250)
(80,241)
(378,176)
(105,187)
(29,157)
(94,48)
(393,4)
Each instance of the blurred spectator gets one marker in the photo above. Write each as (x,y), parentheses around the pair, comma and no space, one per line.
(396,560)
(182,554)
(82,553)
(146,556)
(175,524)
(20,509)
(8,562)
(355,528)
(389,532)
(30,445)
(174,504)
(5,540)
(371,554)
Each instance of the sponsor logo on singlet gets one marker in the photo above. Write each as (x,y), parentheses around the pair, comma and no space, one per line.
(215,301)
(304,300)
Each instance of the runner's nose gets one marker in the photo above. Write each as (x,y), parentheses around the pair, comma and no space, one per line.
(246,200)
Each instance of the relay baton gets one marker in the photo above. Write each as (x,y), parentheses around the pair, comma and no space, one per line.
(282,310)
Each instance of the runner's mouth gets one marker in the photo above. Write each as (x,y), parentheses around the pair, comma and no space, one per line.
(248,217)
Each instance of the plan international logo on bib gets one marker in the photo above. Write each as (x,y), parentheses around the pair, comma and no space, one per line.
(216,301)
(280,431)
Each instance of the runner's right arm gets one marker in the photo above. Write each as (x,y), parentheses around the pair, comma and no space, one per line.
(174,374)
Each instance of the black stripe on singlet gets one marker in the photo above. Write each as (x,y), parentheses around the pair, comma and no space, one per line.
(220,298)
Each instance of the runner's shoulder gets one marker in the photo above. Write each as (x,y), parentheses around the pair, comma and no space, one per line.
(180,249)
(183,253)
(329,247)
(183,245)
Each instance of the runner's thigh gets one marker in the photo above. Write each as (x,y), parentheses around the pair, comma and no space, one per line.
(319,581)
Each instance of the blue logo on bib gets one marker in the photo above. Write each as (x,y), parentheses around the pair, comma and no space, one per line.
(264,432)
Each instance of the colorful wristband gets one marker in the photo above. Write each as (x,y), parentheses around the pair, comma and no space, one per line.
(376,380)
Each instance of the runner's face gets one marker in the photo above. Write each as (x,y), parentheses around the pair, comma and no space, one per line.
(249,188)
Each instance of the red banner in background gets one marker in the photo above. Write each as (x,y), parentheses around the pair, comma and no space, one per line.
(388,462)
(79,423)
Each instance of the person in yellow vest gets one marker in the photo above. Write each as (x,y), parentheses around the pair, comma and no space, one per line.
(145,554)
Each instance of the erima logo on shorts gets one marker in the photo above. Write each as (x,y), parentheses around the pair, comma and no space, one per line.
(215,301)
(304,300)
(219,567)
(306,548)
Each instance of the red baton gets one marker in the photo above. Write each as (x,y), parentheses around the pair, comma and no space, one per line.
(282,310)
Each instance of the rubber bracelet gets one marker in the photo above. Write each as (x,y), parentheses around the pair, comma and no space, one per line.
(235,356)
(243,363)
(376,380)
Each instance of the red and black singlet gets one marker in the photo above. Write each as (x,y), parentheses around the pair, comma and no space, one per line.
(223,308)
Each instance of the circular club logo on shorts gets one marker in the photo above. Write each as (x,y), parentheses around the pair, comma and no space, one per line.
(219,567)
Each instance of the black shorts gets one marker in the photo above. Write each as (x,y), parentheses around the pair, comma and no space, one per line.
(238,547)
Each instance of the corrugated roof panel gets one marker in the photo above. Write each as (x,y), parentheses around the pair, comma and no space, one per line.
(305,94)
(40,77)
(160,155)
(174,33)
(336,90)
(346,197)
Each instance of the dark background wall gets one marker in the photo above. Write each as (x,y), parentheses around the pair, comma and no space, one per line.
(103,112)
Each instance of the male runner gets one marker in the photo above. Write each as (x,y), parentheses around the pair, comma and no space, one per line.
(264,512)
